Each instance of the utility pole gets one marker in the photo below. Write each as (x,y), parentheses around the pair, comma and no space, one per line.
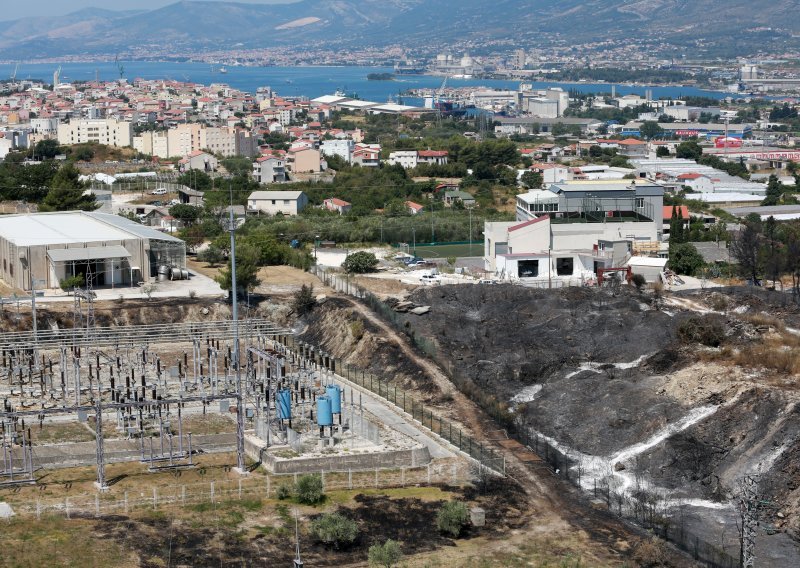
(240,466)
(470,230)
(748,509)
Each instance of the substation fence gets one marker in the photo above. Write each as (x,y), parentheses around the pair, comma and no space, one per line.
(442,427)
(158,497)
(136,334)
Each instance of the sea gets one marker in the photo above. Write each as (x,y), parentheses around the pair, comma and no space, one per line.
(310,81)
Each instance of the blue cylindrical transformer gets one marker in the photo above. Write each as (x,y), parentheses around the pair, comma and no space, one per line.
(285,404)
(334,392)
(324,414)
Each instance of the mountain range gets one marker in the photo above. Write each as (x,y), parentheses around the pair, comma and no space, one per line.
(196,26)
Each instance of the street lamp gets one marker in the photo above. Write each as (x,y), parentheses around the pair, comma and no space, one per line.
(316,241)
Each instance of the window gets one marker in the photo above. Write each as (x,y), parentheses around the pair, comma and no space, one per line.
(564,266)
(528,268)
(286,202)
(273,202)
(640,203)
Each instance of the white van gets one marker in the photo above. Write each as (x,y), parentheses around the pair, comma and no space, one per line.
(159,191)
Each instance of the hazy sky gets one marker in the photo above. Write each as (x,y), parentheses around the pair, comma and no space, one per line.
(14,10)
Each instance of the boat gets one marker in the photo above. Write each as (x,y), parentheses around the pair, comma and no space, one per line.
(223,70)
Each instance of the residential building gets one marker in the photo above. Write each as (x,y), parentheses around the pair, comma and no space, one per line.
(110,131)
(432,157)
(414,208)
(274,202)
(303,160)
(405,158)
(339,205)
(199,161)
(183,139)
(367,155)
(343,148)
(269,169)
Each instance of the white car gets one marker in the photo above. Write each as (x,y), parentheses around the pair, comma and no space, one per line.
(159,191)
(430,279)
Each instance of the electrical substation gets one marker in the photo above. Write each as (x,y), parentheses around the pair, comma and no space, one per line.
(139,383)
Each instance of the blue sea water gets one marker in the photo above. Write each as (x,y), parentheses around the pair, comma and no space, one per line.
(308,81)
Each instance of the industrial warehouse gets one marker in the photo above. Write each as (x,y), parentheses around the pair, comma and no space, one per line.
(40,250)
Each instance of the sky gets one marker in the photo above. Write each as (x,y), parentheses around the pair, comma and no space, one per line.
(14,10)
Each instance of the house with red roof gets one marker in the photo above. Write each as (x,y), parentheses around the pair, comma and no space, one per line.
(339,205)
(414,208)
(432,157)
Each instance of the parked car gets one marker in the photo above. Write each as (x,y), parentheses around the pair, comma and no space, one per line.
(159,191)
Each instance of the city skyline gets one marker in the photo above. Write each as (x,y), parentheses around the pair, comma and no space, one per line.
(60,8)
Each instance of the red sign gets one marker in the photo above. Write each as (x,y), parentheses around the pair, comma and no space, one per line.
(722,142)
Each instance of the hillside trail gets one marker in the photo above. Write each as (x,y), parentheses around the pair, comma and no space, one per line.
(556,505)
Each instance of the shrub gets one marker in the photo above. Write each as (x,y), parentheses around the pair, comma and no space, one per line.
(639,281)
(357,329)
(304,301)
(386,555)
(360,262)
(452,518)
(703,329)
(72,282)
(651,553)
(334,529)
(309,489)
(283,492)
(685,259)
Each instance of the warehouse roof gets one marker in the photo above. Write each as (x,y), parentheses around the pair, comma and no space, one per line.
(73,227)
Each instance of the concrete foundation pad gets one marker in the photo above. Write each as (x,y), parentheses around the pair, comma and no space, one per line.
(240,471)
(6,512)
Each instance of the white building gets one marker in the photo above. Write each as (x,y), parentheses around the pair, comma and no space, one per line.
(46,248)
(405,158)
(269,169)
(342,148)
(109,131)
(274,202)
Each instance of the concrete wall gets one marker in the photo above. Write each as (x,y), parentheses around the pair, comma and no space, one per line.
(382,460)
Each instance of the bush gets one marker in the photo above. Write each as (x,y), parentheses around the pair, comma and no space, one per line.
(334,529)
(72,282)
(357,329)
(283,492)
(304,300)
(309,489)
(386,555)
(452,518)
(639,281)
(705,330)
(685,259)
(651,553)
(360,262)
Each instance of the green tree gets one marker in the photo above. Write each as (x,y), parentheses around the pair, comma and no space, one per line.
(212,255)
(188,214)
(247,257)
(67,192)
(46,149)
(196,179)
(452,518)
(385,555)
(650,129)
(304,301)
(676,226)
(309,489)
(72,282)
(334,529)
(532,180)
(360,262)
(745,248)
(685,259)
(774,191)
(662,152)
(689,150)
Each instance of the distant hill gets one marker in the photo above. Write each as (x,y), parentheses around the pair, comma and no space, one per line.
(722,24)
